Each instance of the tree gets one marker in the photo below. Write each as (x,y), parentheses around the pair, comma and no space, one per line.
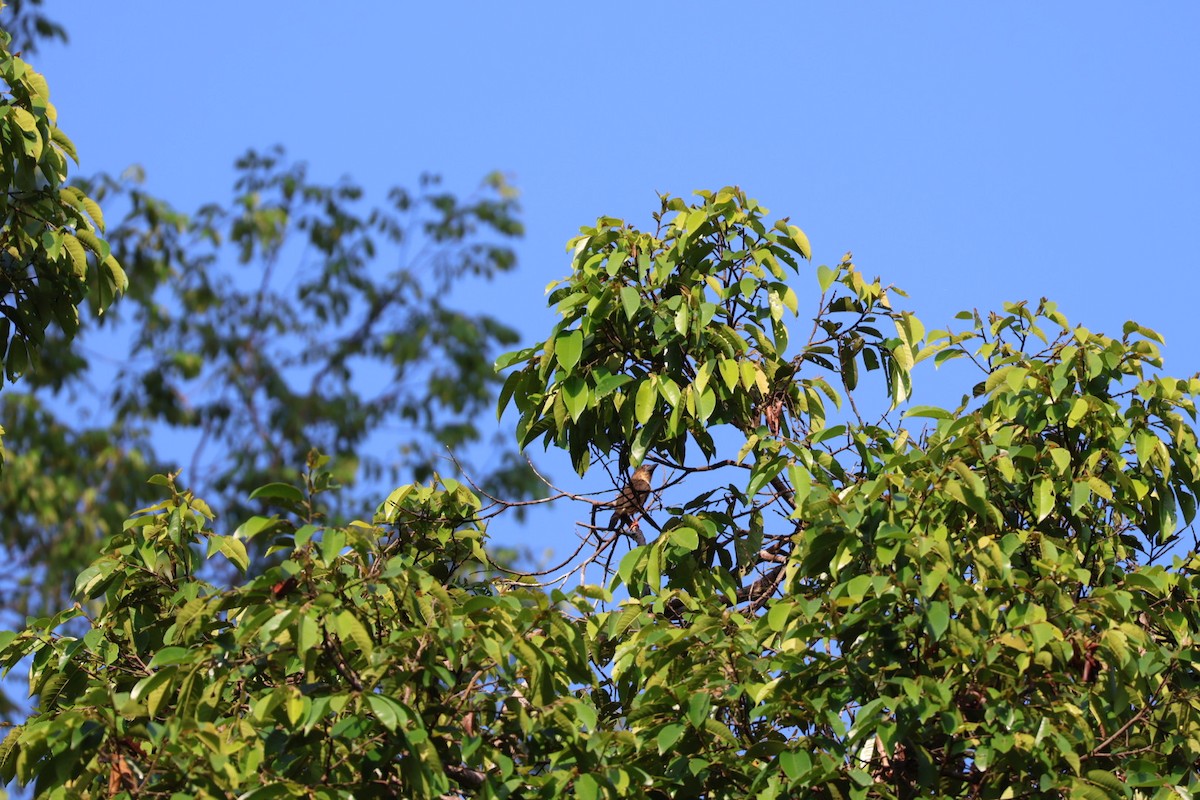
(28,26)
(989,601)
(267,326)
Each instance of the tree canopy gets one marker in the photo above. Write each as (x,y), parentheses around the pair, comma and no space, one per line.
(839,596)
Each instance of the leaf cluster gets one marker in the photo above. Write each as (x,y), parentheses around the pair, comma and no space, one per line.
(52,249)
(666,335)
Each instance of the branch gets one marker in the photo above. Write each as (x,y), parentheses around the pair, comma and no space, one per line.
(339,663)
(1140,715)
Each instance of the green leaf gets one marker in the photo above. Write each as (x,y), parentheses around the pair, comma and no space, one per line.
(230,547)
(825,434)
(587,787)
(826,277)
(147,686)
(791,300)
(932,412)
(271,791)
(575,395)
(615,262)
(705,405)
(93,210)
(89,579)
(510,358)
(654,561)
(801,241)
(254,526)
(762,473)
(78,256)
(568,347)
(508,391)
(699,705)
(89,240)
(668,736)
(630,562)
(278,491)
(682,319)
(1078,409)
(646,401)
(390,713)
(333,541)
(902,357)
(849,368)
(802,482)
(1146,443)
(775,303)
(669,390)
(795,763)
(1101,488)
(938,618)
(170,655)
(610,383)
(685,537)
(631,301)
(730,373)
(646,438)
(64,142)
(9,754)
(1043,497)
(777,617)
(17,358)
(350,628)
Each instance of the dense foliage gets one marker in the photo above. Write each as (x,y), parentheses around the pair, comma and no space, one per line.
(51,245)
(988,601)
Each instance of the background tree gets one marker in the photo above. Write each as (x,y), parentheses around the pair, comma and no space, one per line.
(257,328)
(990,601)
(29,27)
(268,327)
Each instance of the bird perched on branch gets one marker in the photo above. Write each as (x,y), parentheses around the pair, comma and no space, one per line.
(632,500)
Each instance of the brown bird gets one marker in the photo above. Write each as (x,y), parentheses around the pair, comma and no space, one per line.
(632,500)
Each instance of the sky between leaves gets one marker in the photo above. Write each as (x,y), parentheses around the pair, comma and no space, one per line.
(969,153)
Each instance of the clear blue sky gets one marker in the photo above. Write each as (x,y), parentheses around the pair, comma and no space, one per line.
(971,153)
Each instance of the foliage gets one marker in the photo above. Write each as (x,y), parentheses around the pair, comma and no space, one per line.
(308,341)
(63,487)
(258,328)
(990,601)
(49,232)
(52,253)
(255,329)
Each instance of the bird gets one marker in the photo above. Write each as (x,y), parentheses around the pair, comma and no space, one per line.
(632,499)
